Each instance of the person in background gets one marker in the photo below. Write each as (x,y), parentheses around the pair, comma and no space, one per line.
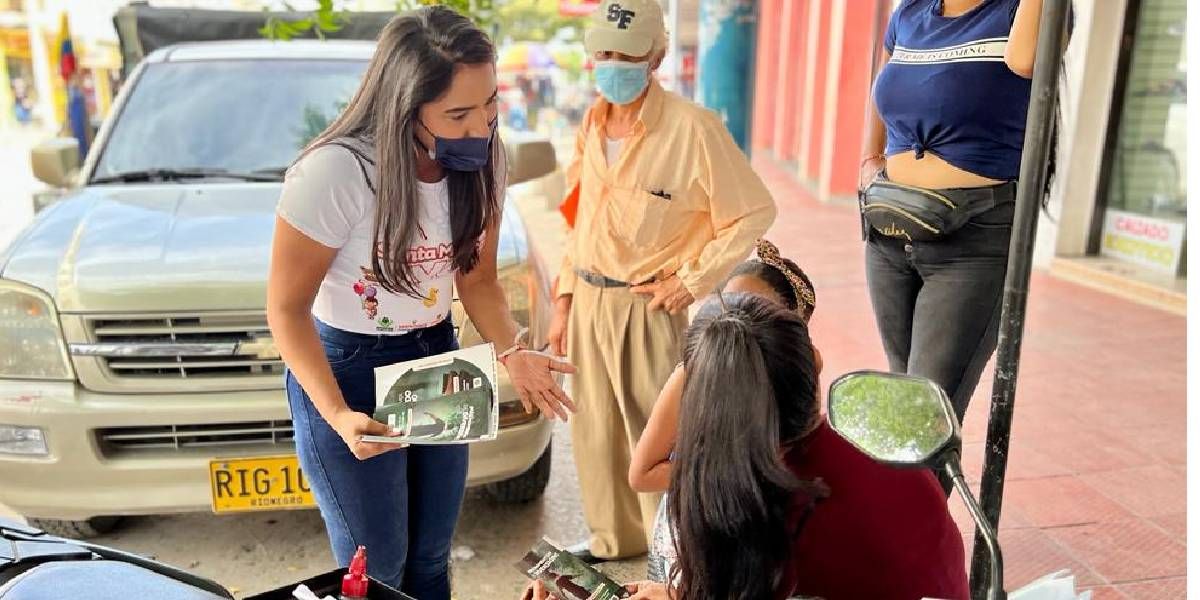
(78,121)
(22,103)
(947,127)
(667,205)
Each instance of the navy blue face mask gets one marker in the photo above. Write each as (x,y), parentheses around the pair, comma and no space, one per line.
(468,154)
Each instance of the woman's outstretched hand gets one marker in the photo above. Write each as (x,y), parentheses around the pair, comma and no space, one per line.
(532,374)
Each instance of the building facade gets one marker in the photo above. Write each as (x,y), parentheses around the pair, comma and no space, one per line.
(1116,216)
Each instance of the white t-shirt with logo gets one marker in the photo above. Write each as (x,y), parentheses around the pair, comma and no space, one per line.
(326,197)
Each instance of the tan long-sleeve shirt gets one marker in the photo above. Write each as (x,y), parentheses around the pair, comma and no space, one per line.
(680,199)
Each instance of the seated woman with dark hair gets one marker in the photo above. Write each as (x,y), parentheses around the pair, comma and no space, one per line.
(768,275)
(768,502)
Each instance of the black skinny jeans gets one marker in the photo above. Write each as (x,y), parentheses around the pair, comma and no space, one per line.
(937,304)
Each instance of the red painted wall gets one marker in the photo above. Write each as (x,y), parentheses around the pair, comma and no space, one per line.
(854,86)
(790,68)
(816,135)
(780,87)
(766,75)
(796,102)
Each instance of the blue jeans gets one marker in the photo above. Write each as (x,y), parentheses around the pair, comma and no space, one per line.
(402,505)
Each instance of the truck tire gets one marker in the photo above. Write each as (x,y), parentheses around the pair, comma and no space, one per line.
(527,486)
(79,530)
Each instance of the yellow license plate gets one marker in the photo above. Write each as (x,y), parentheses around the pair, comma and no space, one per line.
(266,483)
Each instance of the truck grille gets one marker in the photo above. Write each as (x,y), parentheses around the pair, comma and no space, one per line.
(177,353)
(119,442)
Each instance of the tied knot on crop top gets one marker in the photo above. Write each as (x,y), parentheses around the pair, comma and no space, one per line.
(947,90)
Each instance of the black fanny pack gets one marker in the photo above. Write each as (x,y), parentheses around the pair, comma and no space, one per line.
(921,215)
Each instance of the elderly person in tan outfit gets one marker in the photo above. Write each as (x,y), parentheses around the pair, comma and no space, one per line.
(667,206)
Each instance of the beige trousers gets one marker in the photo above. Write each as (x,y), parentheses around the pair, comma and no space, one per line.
(624,354)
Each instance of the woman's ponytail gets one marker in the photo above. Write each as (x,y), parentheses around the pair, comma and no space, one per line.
(730,485)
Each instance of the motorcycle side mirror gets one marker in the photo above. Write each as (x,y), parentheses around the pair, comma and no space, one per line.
(895,419)
(908,421)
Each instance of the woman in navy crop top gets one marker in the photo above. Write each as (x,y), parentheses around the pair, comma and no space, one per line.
(953,93)
(949,109)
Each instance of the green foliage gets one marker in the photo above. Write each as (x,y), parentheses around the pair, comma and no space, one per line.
(572,63)
(898,419)
(325,19)
(533,20)
(525,20)
(482,12)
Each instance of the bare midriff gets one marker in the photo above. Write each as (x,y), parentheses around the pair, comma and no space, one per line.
(932,172)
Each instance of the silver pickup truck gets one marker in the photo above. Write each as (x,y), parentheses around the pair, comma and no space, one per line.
(136,367)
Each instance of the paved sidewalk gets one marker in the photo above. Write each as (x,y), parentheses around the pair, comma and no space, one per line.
(1096,474)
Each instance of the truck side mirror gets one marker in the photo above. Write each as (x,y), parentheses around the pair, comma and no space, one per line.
(56,162)
(530,156)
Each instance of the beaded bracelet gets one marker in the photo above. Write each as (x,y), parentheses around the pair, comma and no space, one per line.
(872,157)
(511,351)
(517,346)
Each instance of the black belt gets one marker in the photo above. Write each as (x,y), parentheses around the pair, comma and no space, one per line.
(600,281)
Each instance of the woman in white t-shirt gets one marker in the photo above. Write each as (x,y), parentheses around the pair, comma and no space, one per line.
(397,202)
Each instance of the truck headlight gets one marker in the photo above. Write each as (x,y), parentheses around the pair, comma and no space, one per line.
(31,340)
(25,441)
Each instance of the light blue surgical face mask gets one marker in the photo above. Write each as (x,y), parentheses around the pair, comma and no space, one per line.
(621,82)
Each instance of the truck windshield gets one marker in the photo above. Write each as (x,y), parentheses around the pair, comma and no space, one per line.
(245,119)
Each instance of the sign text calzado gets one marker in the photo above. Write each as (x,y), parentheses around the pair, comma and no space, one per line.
(1156,244)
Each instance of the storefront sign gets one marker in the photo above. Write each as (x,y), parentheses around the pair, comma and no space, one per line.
(1156,244)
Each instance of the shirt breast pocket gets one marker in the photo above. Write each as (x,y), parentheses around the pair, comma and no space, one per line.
(647,218)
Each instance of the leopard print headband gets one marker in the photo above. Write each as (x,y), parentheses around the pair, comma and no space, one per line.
(768,254)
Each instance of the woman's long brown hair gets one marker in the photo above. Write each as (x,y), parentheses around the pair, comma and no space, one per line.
(415,60)
(751,390)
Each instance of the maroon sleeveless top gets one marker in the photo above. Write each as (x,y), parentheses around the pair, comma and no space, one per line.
(883,533)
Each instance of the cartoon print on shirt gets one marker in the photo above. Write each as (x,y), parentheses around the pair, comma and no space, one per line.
(371,305)
(432,262)
(368,295)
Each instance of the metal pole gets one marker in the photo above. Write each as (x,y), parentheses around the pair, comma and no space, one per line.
(1038,130)
(995,584)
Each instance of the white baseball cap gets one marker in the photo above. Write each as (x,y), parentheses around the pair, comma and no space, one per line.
(626,26)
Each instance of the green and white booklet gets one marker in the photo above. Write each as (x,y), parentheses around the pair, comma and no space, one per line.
(448,398)
(566,576)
